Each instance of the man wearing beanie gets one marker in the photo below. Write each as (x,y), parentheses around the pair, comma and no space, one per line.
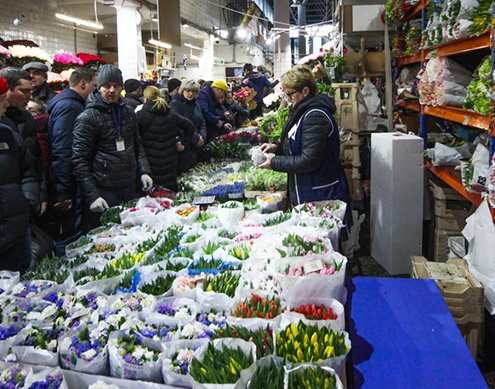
(210,98)
(133,93)
(18,194)
(41,89)
(173,86)
(108,156)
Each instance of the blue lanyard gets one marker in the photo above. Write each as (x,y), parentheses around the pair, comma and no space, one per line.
(117,120)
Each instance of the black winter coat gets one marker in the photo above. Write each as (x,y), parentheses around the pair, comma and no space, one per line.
(96,160)
(63,110)
(132,100)
(315,131)
(18,189)
(189,110)
(160,131)
(44,93)
(23,123)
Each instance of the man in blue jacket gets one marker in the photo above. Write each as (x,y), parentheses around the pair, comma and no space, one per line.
(210,98)
(258,82)
(63,110)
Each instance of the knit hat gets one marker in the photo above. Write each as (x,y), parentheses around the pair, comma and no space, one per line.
(173,84)
(109,73)
(36,66)
(3,86)
(220,84)
(131,85)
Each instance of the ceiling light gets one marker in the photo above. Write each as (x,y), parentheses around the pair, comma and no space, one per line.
(242,33)
(81,22)
(160,44)
(185,25)
(154,20)
(224,34)
(193,47)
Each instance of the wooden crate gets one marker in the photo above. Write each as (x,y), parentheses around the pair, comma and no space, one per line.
(473,336)
(441,245)
(442,192)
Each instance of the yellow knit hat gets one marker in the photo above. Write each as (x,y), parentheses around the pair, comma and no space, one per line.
(220,84)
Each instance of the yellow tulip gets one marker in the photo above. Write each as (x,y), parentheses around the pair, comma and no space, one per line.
(300,355)
(314,338)
(305,340)
(294,329)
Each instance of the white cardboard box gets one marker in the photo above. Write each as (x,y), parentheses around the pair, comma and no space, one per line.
(397,171)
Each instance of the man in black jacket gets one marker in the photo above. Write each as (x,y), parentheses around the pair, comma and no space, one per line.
(133,93)
(63,110)
(41,89)
(18,194)
(108,155)
(21,121)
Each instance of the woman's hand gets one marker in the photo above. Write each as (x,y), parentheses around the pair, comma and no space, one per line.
(180,147)
(268,163)
(201,142)
(268,147)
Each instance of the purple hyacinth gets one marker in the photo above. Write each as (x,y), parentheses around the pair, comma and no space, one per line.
(8,332)
(165,308)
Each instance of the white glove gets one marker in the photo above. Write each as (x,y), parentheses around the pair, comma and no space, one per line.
(147,182)
(99,205)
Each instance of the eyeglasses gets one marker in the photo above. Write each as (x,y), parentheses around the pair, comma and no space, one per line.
(287,95)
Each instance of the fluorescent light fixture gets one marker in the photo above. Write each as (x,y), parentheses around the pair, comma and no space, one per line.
(160,44)
(242,33)
(81,22)
(155,20)
(185,25)
(193,47)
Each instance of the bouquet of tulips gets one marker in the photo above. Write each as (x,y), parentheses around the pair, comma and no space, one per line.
(262,337)
(258,307)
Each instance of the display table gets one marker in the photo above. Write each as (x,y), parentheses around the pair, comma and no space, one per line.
(403,336)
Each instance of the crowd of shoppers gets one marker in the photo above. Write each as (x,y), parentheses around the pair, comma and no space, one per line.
(65,158)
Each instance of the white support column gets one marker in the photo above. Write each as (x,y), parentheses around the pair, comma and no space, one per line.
(282,58)
(129,40)
(206,61)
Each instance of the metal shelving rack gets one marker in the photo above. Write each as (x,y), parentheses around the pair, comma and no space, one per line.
(458,115)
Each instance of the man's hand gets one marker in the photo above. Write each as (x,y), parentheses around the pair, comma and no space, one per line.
(227,126)
(63,206)
(219,124)
(99,205)
(201,142)
(180,147)
(147,182)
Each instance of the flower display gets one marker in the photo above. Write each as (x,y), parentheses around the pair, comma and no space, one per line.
(90,60)
(57,81)
(225,283)
(91,300)
(299,246)
(185,283)
(101,248)
(259,307)
(300,270)
(312,377)
(164,333)
(240,252)
(247,237)
(21,55)
(213,320)
(180,313)
(4,52)
(265,283)
(13,377)
(45,339)
(67,59)
(220,366)
(314,312)
(302,343)
(186,212)
(195,330)
(180,361)
(132,350)
(87,344)
(26,289)
(159,286)
(136,302)
(114,317)
(262,338)
(128,261)
(52,380)
(32,311)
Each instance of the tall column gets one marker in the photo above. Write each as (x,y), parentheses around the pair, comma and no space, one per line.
(207,59)
(282,58)
(129,40)
(301,22)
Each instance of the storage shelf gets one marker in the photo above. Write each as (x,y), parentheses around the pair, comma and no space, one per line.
(415,10)
(451,48)
(410,105)
(409,60)
(459,115)
(452,179)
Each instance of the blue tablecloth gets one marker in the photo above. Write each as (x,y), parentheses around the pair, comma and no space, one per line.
(403,336)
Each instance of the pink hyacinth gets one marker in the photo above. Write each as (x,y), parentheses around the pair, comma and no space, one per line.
(66,58)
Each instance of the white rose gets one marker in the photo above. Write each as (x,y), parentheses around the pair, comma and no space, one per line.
(88,354)
(187,331)
(182,316)
(138,352)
